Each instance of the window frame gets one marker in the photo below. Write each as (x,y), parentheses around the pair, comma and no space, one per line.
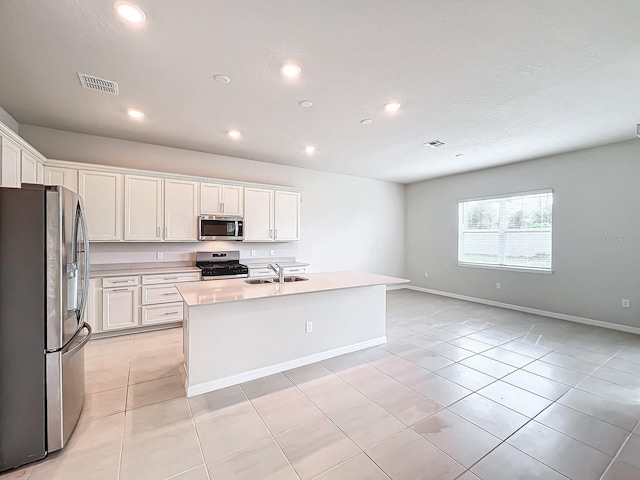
(503,230)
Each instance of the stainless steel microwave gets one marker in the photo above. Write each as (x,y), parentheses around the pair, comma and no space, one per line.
(220,227)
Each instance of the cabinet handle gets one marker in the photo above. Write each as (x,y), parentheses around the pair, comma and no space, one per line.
(276,234)
(119,290)
(165,294)
(270,233)
(221,207)
(166,232)
(171,278)
(158,232)
(122,281)
(171,313)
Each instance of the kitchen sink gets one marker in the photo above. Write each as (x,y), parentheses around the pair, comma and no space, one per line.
(262,281)
(259,281)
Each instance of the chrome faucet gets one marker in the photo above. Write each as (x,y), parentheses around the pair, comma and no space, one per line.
(279,270)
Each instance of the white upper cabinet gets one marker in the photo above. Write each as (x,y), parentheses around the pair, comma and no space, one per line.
(181,210)
(232,200)
(258,214)
(210,199)
(29,168)
(40,173)
(9,163)
(102,195)
(286,216)
(142,208)
(218,199)
(67,177)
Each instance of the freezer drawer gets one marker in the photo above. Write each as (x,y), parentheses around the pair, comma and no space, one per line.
(65,390)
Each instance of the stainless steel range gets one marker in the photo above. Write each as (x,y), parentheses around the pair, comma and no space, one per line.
(221,265)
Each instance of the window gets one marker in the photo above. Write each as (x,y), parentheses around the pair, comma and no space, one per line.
(508,231)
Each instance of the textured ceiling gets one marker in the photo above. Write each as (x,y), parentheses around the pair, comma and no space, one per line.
(497,81)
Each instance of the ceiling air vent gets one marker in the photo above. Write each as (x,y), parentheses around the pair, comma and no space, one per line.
(96,83)
(433,144)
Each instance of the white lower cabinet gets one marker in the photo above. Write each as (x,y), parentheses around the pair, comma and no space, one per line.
(119,308)
(125,302)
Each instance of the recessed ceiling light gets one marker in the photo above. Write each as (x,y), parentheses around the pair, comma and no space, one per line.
(310,149)
(306,103)
(366,121)
(130,12)
(459,154)
(235,134)
(290,69)
(221,78)
(135,113)
(391,107)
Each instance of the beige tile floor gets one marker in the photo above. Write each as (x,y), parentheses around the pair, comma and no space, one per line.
(460,391)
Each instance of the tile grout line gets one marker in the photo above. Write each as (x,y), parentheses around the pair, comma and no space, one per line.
(195,429)
(269,430)
(124,426)
(613,459)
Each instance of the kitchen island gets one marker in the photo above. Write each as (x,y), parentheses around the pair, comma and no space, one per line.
(235,332)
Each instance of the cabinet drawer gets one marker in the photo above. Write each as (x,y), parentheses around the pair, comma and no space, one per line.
(109,282)
(171,312)
(160,294)
(290,270)
(261,272)
(170,278)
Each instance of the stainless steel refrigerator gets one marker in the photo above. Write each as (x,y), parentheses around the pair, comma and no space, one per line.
(44,274)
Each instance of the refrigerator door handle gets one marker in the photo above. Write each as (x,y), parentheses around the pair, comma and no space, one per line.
(85,235)
(83,342)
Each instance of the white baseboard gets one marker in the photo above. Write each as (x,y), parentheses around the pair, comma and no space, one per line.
(210,386)
(535,311)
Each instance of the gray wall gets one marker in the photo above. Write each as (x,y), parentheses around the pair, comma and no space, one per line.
(348,223)
(596,197)
(8,120)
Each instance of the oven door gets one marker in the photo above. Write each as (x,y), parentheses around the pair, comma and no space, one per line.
(219,228)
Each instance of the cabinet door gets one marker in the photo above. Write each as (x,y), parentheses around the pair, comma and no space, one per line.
(102,195)
(181,210)
(119,308)
(29,168)
(142,208)
(40,173)
(9,163)
(210,199)
(67,177)
(287,216)
(94,305)
(232,200)
(258,215)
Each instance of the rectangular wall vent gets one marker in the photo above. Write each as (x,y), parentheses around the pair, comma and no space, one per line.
(96,83)
(433,144)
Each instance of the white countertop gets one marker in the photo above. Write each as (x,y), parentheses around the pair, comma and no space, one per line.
(141,271)
(220,291)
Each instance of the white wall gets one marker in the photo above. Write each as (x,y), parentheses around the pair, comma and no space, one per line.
(8,120)
(596,201)
(348,223)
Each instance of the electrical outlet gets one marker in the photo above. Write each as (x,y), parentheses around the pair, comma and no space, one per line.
(253,253)
(309,327)
(272,252)
(498,286)
(426,275)
(625,303)
(159,255)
